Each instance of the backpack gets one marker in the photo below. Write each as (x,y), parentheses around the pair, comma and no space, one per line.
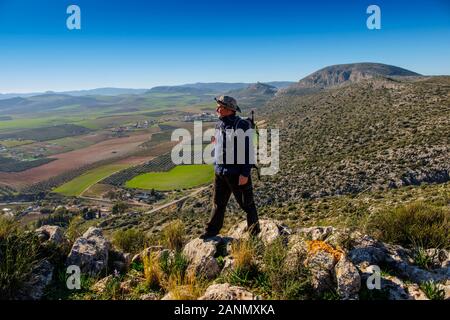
(252,125)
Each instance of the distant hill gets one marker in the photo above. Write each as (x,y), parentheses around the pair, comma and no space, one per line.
(340,74)
(215,87)
(190,88)
(88,92)
(254,95)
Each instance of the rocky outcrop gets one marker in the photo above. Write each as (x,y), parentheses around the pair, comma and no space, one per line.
(348,280)
(226,291)
(52,234)
(200,254)
(270,230)
(41,276)
(90,252)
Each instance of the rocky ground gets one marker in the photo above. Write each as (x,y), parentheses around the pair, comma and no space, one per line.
(321,263)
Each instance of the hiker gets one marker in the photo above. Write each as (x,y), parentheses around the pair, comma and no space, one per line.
(231,177)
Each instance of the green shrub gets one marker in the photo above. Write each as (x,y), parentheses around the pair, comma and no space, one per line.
(131,240)
(421,258)
(173,265)
(433,290)
(7,226)
(412,224)
(19,254)
(119,207)
(173,235)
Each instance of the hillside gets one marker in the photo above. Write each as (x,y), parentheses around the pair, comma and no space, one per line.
(340,74)
(367,135)
(253,96)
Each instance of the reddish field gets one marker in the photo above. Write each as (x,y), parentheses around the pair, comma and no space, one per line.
(74,159)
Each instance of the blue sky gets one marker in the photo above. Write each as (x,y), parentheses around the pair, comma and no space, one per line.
(140,44)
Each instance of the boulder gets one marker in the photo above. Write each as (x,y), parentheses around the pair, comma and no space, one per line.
(183,292)
(53,234)
(348,279)
(321,265)
(297,250)
(440,258)
(225,291)
(90,252)
(200,255)
(149,296)
(270,230)
(367,251)
(100,285)
(41,276)
(316,233)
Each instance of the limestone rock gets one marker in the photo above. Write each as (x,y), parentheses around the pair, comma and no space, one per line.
(321,264)
(316,233)
(348,279)
(100,285)
(149,296)
(200,254)
(90,252)
(41,276)
(225,291)
(52,234)
(270,230)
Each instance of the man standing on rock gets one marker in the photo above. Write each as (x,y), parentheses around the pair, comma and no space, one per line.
(232,176)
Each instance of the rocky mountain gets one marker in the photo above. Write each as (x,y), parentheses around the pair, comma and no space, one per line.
(341,74)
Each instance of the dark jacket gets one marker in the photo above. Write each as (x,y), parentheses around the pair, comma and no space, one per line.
(232,122)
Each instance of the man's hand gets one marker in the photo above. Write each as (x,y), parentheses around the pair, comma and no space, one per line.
(242,180)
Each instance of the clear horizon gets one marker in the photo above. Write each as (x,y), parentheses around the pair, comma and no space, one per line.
(141,45)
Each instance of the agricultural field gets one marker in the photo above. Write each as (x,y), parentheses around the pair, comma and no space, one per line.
(78,185)
(69,161)
(46,133)
(180,177)
(14,165)
(14,143)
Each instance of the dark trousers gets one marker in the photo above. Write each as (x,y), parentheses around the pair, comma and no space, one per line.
(224,185)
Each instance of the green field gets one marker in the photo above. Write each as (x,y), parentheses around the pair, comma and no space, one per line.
(180,177)
(78,185)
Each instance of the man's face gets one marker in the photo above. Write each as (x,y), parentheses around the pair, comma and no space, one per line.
(222,111)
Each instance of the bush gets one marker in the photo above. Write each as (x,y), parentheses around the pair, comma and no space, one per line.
(152,271)
(131,240)
(243,253)
(119,207)
(414,224)
(7,226)
(433,290)
(173,235)
(19,254)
